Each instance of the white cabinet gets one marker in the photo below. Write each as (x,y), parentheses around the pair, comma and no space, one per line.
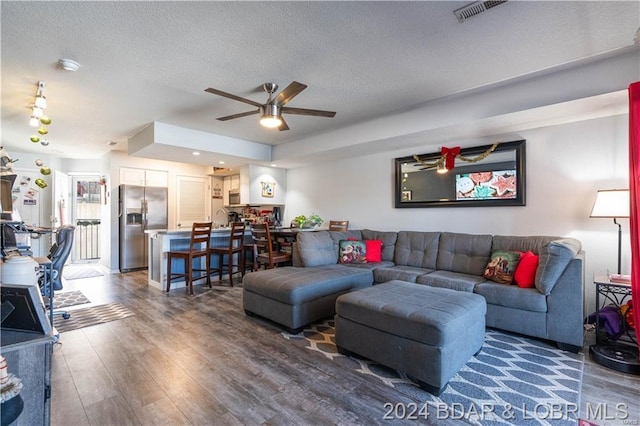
(156,178)
(234,181)
(133,176)
(230,183)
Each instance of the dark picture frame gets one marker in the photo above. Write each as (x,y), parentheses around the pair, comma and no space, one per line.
(498,179)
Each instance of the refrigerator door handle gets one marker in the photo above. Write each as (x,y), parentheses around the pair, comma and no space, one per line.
(144,215)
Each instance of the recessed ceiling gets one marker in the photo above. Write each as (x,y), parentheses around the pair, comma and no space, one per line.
(144,62)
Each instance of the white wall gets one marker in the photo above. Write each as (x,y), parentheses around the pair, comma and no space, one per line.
(566,165)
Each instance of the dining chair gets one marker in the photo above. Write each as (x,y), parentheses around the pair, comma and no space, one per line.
(198,248)
(338,225)
(265,252)
(235,249)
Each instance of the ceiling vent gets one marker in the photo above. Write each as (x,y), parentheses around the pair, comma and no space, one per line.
(476,8)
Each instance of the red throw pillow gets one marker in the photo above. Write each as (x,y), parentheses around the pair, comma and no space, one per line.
(374,250)
(525,275)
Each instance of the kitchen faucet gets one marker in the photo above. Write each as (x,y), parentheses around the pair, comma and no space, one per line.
(224,213)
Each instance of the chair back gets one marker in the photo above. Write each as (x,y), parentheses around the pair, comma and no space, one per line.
(236,237)
(59,253)
(262,238)
(200,237)
(338,225)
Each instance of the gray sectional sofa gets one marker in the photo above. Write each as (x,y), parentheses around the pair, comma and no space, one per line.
(552,310)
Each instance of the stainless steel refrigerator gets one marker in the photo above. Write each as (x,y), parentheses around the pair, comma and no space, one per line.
(140,208)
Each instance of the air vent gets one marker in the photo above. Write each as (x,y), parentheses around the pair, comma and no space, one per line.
(476,8)
(112,143)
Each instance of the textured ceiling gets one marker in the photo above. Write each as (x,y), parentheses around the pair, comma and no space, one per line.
(151,61)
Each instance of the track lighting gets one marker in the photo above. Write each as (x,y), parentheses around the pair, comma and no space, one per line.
(41,101)
(38,117)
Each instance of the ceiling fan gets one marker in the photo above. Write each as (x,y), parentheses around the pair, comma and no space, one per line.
(271,111)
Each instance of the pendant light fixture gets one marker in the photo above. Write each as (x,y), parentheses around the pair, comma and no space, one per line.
(38,117)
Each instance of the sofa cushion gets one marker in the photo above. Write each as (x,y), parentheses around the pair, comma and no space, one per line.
(465,253)
(527,299)
(399,272)
(520,243)
(451,280)
(352,251)
(316,248)
(293,286)
(554,258)
(417,249)
(502,266)
(370,265)
(388,241)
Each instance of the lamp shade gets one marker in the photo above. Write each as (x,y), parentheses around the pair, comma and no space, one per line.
(611,203)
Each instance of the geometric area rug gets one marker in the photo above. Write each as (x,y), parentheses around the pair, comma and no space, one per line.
(93,315)
(512,380)
(64,299)
(75,273)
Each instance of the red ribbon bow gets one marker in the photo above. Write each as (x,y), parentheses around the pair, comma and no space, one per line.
(450,156)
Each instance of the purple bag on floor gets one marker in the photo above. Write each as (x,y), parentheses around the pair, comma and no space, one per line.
(610,320)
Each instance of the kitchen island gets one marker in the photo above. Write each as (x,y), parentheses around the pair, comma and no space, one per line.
(161,241)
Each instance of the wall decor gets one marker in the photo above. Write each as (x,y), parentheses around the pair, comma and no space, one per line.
(482,176)
(268,189)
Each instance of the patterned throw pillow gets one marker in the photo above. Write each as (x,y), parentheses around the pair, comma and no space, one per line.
(502,266)
(351,251)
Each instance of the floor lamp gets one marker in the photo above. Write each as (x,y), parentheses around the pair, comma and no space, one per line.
(612,203)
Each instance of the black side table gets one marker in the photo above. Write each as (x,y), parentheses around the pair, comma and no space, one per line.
(620,354)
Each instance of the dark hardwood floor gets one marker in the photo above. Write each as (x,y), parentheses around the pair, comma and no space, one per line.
(199,360)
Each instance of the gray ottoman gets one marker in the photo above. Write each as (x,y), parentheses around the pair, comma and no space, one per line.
(429,333)
(294,297)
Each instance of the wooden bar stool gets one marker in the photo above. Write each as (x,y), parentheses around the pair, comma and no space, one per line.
(236,246)
(198,248)
(265,253)
(338,225)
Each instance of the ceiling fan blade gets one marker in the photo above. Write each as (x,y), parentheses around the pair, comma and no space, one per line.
(284,125)
(234,97)
(305,111)
(241,114)
(289,93)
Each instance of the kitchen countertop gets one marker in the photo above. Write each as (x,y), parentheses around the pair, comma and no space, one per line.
(183,231)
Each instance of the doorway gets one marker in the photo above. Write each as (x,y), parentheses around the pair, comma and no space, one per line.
(86,217)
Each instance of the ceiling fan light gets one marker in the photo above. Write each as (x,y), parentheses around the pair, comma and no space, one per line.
(270,116)
(270,121)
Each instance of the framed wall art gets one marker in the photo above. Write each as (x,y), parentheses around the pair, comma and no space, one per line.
(489,175)
(268,189)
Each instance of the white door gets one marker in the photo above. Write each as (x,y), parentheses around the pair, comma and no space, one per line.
(61,199)
(86,211)
(192,201)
